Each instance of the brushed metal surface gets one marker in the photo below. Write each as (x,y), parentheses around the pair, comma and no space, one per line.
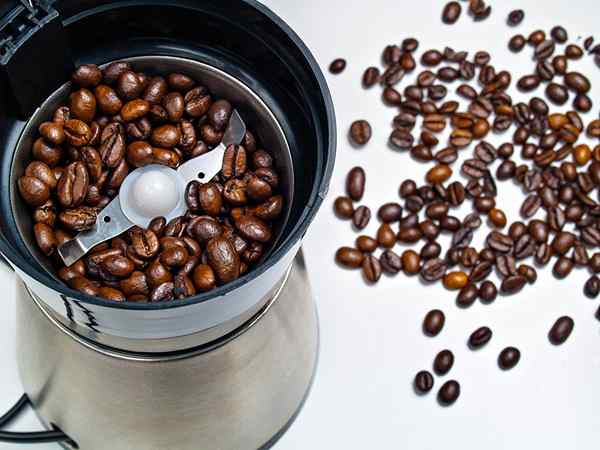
(232,396)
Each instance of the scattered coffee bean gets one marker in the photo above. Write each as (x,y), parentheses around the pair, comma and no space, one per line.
(423,382)
(451,12)
(515,17)
(434,322)
(337,66)
(360,132)
(443,362)
(479,338)
(449,392)
(561,330)
(509,358)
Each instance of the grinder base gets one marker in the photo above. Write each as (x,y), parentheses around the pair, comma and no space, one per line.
(241,395)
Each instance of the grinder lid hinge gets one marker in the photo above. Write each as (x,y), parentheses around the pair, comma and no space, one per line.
(34,53)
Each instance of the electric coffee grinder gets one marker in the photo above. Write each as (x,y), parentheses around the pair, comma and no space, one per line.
(228,369)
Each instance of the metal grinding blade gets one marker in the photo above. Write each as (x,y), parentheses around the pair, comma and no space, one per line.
(120,214)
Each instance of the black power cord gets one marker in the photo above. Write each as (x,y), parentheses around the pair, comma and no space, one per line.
(37,437)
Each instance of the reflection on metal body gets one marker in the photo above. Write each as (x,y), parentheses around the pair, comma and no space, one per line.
(235,393)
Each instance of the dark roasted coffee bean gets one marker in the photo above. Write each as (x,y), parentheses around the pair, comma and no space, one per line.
(467,295)
(563,267)
(370,77)
(431,58)
(563,242)
(479,338)
(561,330)
(499,242)
(401,139)
(423,382)
(390,262)
(506,170)
(488,291)
(509,358)
(577,82)
(223,259)
(390,212)
(557,93)
(528,83)
(506,265)
(544,49)
(517,43)
(449,392)
(451,12)
(361,217)
(443,362)
(531,205)
(360,132)
(592,287)
(337,66)
(366,244)
(474,168)
(515,17)
(145,243)
(559,34)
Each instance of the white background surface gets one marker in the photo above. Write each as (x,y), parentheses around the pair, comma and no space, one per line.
(371,339)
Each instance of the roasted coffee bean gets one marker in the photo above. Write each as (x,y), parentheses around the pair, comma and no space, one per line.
(163,292)
(561,330)
(455,280)
(474,168)
(488,291)
(443,362)
(433,270)
(401,139)
(563,267)
(411,262)
(360,132)
(343,207)
(392,75)
(78,219)
(517,43)
(449,392)
(366,244)
(557,93)
(451,12)
(515,17)
(509,358)
(135,110)
(390,212)
(592,287)
(337,66)
(361,217)
(499,242)
(218,114)
(223,259)
(370,77)
(506,265)
(423,382)
(355,183)
(118,266)
(577,82)
(479,338)
(467,295)
(563,242)
(390,262)
(430,250)
(349,257)
(386,236)
(544,49)
(559,34)
(371,269)
(45,238)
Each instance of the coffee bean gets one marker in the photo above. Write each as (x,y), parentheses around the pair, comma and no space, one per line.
(434,322)
(577,82)
(488,291)
(563,242)
(561,330)
(544,49)
(513,284)
(515,17)
(390,262)
(433,270)
(411,262)
(592,287)
(360,132)
(557,93)
(423,382)
(371,269)
(443,362)
(343,207)
(467,295)
(563,267)
(370,77)
(451,12)
(559,34)
(337,66)
(390,212)
(509,358)
(517,43)
(449,392)
(479,338)
(361,217)
(455,280)
(366,244)
(401,139)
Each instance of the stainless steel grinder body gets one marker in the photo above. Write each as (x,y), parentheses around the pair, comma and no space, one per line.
(227,369)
